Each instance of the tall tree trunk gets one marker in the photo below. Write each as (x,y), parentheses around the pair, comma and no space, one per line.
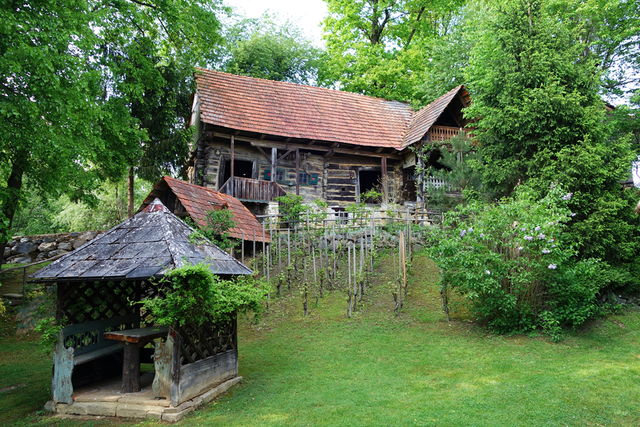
(10,204)
(130,211)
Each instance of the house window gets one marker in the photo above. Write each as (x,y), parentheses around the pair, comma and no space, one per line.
(279,175)
(303,178)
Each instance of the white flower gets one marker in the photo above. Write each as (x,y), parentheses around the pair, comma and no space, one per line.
(488,272)
(553,266)
(546,251)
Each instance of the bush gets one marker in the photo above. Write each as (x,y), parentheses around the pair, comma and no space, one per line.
(290,207)
(515,265)
(193,294)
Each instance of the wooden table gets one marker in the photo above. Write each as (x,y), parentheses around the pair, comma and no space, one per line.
(133,340)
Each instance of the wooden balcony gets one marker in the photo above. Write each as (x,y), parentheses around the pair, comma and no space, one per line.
(252,190)
(444,133)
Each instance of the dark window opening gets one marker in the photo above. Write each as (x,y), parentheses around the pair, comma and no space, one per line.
(368,181)
(242,168)
(432,160)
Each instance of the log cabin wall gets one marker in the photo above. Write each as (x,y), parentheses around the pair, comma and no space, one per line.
(334,179)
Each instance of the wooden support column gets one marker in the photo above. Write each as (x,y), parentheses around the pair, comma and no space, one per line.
(232,164)
(420,189)
(297,171)
(384,179)
(274,155)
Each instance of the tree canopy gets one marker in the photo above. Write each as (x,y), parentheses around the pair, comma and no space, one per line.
(380,47)
(264,49)
(71,71)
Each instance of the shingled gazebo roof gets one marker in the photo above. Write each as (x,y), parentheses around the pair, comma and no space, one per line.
(151,243)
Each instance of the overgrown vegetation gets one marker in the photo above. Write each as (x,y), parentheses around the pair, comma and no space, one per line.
(194,294)
(216,228)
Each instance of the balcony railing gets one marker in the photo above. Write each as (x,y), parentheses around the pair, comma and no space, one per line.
(433,182)
(252,190)
(444,133)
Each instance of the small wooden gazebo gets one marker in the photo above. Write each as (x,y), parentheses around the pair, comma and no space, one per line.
(98,288)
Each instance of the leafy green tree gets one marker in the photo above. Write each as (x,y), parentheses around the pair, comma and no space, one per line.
(609,31)
(379,47)
(540,120)
(261,48)
(67,82)
(216,228)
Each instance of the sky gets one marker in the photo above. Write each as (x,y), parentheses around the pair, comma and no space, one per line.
(306,13)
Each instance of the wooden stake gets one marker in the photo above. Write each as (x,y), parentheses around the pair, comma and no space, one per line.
(334,251)
(288,247)
(349,282)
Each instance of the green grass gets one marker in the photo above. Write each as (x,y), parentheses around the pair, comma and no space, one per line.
(378,369)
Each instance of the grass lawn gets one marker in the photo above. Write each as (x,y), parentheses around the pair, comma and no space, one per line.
(376,369)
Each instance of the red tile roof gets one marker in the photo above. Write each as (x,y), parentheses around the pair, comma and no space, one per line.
(298,111)
(306,112)
(198,200)
(425,118)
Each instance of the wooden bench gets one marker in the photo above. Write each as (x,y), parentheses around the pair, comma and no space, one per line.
(82,343)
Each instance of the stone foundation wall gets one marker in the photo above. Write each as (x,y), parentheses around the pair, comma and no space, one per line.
(27,249)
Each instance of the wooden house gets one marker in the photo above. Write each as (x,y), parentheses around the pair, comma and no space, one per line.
(256,139)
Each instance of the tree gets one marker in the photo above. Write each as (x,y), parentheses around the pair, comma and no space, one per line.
(540,120)
(461,162)
(54,123)
(608,31)
(379,47)
(263,49)
(67,87)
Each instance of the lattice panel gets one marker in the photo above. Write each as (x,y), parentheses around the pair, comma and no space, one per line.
(148,290)
(207,340)
(89,301)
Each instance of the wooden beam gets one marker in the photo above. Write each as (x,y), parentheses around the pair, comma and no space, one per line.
(287,140)
(379,149)
(313,141)
(283,156)
(263,153)
(329,153)
(384,179)
(232,162)
(274,154)
(268,143)
(297,171)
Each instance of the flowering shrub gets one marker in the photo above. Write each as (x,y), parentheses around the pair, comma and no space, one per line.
(513,265)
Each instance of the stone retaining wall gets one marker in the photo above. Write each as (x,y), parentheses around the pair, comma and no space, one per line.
(26,249)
